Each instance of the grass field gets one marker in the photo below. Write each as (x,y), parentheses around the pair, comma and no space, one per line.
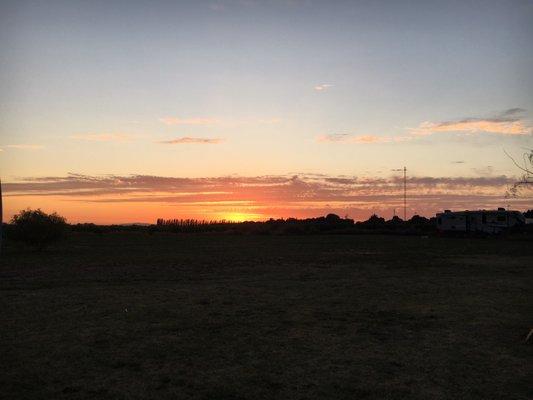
(134,316)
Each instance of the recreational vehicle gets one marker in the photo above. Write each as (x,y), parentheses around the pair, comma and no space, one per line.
(483,221)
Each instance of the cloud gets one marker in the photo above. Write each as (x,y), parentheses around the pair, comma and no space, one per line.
(508,122)
(312,184)
(192,140)
(457,162)
(511,113)
(103,137)
(272,195)
(473,126)
(25,146)
(323,87)
(188,121)
(361,139)
(347,138)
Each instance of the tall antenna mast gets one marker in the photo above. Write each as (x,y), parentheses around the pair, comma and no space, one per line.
(404,194)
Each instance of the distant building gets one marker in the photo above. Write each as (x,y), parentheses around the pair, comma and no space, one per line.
(485,221)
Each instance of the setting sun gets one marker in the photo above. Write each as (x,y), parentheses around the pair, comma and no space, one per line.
(241,217)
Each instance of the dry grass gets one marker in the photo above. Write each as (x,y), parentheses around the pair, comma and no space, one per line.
(128,316)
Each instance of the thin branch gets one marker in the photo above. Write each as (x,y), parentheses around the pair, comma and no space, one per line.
(525,169)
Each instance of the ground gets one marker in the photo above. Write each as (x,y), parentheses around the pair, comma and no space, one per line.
(137,316)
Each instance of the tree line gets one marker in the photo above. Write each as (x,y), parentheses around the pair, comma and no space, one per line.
(38,229)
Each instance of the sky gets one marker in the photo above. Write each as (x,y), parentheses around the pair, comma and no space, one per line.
(129,111)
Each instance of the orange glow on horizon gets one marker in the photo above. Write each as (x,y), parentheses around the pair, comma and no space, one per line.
(144,199)
(241,217)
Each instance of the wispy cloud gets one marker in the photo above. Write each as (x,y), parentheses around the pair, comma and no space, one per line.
(192,140)
(285,195)
(24,146)
(326,187)
(361,139)
(508,122)
(323,87)
(103,137)
(188,121)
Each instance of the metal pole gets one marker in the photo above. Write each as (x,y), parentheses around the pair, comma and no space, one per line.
(404,194)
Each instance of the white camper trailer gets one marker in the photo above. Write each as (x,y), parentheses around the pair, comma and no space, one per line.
(483,221)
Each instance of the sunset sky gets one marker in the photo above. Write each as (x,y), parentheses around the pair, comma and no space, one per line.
(129,111)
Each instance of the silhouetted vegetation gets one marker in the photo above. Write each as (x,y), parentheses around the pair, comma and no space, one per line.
(331,223)
(36,228)
(525,182)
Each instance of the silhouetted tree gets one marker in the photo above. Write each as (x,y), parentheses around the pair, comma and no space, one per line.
(333,219)
(526,179)
(38,229)
(395,223)
(374,222)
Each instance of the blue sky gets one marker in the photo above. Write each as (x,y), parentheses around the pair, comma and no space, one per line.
(199,89)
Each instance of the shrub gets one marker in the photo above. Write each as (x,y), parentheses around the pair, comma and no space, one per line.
(38,229)
(333,219)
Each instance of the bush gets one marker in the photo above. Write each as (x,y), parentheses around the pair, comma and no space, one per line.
(38,229)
